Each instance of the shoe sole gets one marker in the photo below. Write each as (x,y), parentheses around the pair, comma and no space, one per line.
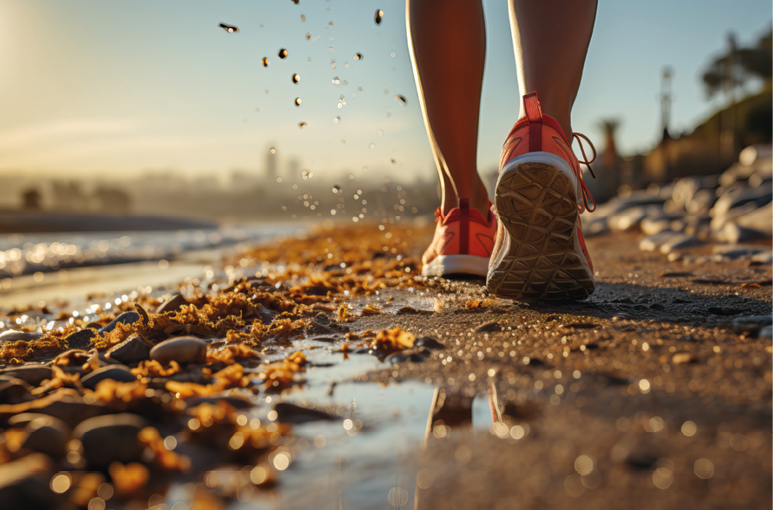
(540,259)
(444,265)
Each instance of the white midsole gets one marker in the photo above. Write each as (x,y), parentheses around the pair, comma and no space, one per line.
(456,264)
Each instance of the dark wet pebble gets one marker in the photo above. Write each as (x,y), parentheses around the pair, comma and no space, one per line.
(117,373)
(22,419)
(752,324)
(291,413)
(324,338)
(13,336)
(409,310)
(716,310)
(361,350)
(488,327)
(31,373)
(15,391)
(615,380)
(124,318)
(72,410)
(48,435)
(399,357)
(622,317)
(81,339)
(172,304)
(766,332)
(641,460)
(676,274)
(132,350)
(265,315)
(182,349)
(428,342)
(110,438)
(580,325)
(657,306)
(24,484)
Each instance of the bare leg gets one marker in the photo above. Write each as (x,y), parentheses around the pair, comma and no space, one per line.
(551,39)
(448,43)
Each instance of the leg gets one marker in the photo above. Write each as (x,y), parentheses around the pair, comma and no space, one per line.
(551,38)
(448,44)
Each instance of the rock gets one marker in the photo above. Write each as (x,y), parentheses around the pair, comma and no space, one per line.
(400,357)
(118,373)
(681,358)
(132,350)
(653,242)
(124,318)
(752,324)
(628,219)
(14,336)
(766,332)
(758,219)
(291,413)
(48,435)
(183,349)
(652,226)
(679,242)
(735,233)
(741,196)
(595,228)
(266,316)
(72,410)
(428,343)
(31,373)
(488,327)
(580,325)
(81,339)
(716,310)
(110,438)
(15,391)
(172,304)
(326,339)
(24,484)
(763,258)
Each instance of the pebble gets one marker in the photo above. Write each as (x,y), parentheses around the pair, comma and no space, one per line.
(14,335)
(580,325)
(14,391)
(80,339)
(46,434)
(124,318)
(752,324)
(766,332)
(681,358)
(326,339)
(183,349)
(132,350)
(679,242)
(24,484)
(428,342)
(172,304)
(110,438)
(291,413)
(762,259)
(653,242)
(31,373)
(118,373)
(735,233)
(400,357)
(71,410)
(266,316)
(488,327)
(652,226)
(716,310)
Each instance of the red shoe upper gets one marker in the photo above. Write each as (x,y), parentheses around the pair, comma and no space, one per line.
(463,231)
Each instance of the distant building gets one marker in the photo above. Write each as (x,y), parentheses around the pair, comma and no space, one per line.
(271,164)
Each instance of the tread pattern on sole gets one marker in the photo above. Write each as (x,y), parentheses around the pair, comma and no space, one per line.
(537,206)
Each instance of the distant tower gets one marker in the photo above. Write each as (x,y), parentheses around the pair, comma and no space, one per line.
(271,158)
(665,100)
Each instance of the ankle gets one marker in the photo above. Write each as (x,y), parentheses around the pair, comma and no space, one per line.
(478,199)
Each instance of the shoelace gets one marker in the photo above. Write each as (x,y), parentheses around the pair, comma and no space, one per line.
(585,192)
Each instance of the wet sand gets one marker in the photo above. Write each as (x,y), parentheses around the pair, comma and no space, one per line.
(643,396)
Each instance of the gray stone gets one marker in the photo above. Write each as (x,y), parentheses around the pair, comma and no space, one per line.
(183,349)
(31,373)
(13,335)
(24,484)
(734,233)
(15,391)
(81,339)
(48,435)
(291,413)
(428,343)
(652,226)
(124,318)
(172,304)
(766,332)
(679,242)
(765,257)
(654,242)
(488,327)
(400,357)
(266,316)
(118,373)
(110,438)
(752,324)
(132,350)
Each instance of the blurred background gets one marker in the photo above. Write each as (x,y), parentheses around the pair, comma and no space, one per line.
(225,122)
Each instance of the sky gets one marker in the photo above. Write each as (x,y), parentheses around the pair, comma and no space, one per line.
(114,88)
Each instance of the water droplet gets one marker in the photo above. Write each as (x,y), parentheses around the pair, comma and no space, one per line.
(265,61)
(272,150)
(296,2)
(331,49)
(302,125)
(337,119)
(296,78)
(308,35)
(401,99)
(282,53)
(378,16)
(336,80)
(336,189)
(372,145)
(358,56)
(298,101)
(303,17)
(380,132)
(229,28)
(307,175)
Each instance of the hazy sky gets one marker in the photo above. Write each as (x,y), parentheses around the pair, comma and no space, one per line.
(122,86)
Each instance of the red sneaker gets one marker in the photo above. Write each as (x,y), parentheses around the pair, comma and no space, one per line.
(462,244)
(540,252)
